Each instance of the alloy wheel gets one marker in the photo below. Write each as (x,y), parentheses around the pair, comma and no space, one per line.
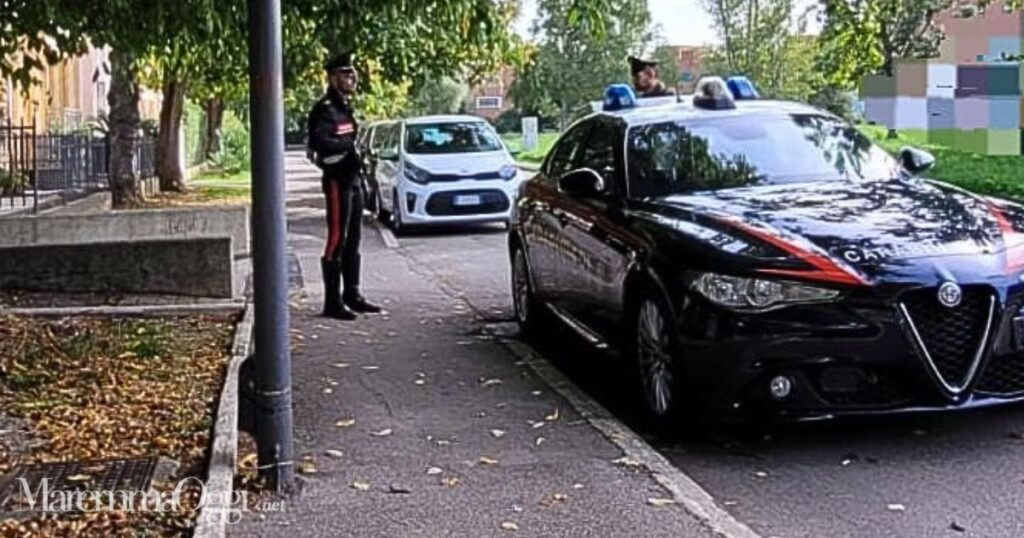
(654,356)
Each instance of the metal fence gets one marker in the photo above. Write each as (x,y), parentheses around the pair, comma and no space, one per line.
(35,166)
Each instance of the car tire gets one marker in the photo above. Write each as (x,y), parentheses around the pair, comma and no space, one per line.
(397,226)
(654,350)
(528,311)
(383,215)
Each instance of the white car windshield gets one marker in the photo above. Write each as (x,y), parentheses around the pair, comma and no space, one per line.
(438,138)
(680,157)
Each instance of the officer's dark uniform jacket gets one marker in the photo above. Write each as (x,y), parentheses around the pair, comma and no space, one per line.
(332,136)
(659,90)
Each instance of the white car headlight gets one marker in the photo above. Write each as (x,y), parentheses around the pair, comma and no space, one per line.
(509,171)
(756,294)
(416,174)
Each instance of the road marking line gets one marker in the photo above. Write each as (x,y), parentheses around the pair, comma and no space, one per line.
(390,241)
(687,492)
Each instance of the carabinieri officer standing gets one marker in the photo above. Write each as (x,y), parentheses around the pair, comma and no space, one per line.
(332,135)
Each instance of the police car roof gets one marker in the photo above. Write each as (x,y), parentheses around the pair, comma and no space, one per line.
(684,110)
(422,120)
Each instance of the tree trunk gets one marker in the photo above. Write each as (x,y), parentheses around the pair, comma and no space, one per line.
(213,118)
(169,165)
(125,124)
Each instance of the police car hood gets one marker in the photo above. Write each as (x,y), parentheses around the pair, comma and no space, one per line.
(895,228)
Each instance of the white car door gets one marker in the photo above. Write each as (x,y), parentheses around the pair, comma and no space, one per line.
(388,164)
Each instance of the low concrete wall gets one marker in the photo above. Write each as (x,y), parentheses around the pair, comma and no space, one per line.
(115,226)
(199,267)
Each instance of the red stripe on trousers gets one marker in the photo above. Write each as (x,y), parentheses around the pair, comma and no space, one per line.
(333,220)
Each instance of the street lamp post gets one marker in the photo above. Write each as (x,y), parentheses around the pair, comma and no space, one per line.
(272,369)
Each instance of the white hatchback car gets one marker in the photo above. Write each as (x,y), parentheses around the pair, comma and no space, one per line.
(443,170)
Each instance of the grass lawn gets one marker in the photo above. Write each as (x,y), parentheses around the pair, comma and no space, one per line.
(514,141)
(995,175)
(221,177)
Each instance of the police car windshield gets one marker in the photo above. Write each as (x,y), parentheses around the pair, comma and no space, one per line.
(711,154)
(437,138)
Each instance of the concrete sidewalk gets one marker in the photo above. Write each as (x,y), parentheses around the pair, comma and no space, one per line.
(441,429)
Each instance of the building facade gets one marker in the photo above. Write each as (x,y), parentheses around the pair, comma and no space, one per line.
(490,99)
(67,95)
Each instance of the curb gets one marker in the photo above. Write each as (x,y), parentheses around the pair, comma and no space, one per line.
(216,509)
(141,310)
(694,499)
(386,235)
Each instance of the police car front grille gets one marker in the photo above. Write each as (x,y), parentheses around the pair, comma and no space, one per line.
(1003,375)
(442,204)
(951,336)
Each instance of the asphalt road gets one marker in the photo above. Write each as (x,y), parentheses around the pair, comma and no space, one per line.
(918,476)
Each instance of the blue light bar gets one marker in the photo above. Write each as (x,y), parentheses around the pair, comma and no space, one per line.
(741,88)
(619,97)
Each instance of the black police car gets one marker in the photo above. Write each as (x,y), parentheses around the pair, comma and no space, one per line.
(754,255)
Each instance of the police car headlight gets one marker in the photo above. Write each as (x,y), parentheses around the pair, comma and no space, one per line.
(416,174)
(509,172)
(756,294)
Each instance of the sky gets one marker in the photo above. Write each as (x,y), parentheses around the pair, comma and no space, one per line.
(682,22)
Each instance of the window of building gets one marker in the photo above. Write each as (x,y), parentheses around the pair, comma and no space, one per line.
(488,102)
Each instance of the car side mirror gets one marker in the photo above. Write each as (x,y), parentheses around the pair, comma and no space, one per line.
(583,183)
(916,160)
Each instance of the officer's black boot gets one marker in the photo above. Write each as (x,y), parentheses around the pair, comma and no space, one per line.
(350,266)
(334,307)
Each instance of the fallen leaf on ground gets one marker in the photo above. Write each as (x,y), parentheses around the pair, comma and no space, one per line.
(536,424)
(660,502)
(553,416)
(248,462)
(450,481)
(509,526)
(627,462)
(434,470)
(307,467)
(539,441)
(578,486)
(360,486)
(536,393)
(954,526)
(383,433)
(498,433)
(418,382)
(400,490)
(328,391)
(484,460)
(371,368)
(490,382)
(333,453)
(896,507)
(761,474)
(345,423)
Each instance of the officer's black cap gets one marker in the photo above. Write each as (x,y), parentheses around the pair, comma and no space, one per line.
(340,64)
(637,65)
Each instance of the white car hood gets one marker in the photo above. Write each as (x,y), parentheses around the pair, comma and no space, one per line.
(460,163)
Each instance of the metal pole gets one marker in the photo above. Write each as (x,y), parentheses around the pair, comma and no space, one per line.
(272,370)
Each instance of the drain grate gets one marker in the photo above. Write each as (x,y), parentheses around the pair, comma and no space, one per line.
(97,475)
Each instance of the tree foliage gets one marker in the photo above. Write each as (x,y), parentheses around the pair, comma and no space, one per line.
(583,47)
(440,96)
(866,37)
(755,40)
